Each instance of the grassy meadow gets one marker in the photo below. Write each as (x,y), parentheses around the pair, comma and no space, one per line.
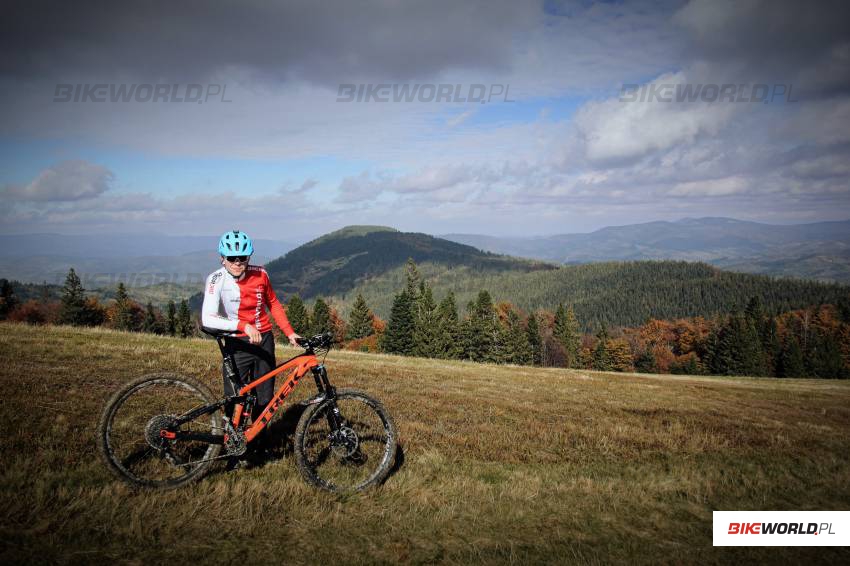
(499,464)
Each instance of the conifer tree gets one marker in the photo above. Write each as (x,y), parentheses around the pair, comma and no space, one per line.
(73,300)
(771,346)
(448,329)
(398,336)
(535,343)
(413,280)
(8,300)
(360,321)
(426,334)
(485,326)
(468,334)
(645,362)
(321,319)
(567,333)
(825,359)
(298,316)
(516,347)
(124,316)
(601,356)
(184,326)
(791,362)
(150,323)
(171,319)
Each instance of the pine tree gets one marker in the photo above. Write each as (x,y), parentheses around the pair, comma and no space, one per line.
(567,333)
(516,347)
(298,316)
(321,319)
(749,356)
(184,325)
(825,361)
(771,346)
(426,334)
(485,330)
(535,343)
(73,300)
(468,334)
(360,321)
(150,324)
(398,336)
(413,279)
(791,362)
(448,329)
(124,316)
(735,348)
(171,320)
(645,362)
(8,300)
(601,356)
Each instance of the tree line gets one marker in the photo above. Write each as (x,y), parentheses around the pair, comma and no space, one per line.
(807,342)
(77,309)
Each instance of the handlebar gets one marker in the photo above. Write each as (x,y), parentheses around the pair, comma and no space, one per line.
(323,340)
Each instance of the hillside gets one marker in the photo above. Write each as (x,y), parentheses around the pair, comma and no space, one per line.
(617,293)
(336,262)
(372,262)
(500,464)
(814,251)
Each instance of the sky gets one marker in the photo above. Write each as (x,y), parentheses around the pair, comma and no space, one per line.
(291,119)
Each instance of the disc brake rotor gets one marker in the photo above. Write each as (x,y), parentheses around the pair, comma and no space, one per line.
(344,442)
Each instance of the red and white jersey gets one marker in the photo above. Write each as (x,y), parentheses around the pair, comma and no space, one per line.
(230,304)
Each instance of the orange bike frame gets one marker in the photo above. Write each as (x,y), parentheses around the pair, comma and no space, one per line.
(300,366)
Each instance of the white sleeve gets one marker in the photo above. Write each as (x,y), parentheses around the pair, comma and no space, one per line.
(210,316)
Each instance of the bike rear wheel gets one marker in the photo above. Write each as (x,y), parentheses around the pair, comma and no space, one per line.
(354,457)
(129,432)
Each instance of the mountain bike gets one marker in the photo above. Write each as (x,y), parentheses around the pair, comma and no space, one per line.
(165,430)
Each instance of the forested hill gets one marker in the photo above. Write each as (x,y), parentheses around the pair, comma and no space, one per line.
(614,293)
(337,262)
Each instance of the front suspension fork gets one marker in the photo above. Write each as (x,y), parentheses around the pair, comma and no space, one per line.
(323,384)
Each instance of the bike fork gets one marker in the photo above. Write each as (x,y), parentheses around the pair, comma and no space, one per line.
(323,384)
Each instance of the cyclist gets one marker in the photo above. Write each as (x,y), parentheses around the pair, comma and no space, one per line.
(236,298)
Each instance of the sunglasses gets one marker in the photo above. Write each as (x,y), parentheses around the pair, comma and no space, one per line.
(235,258)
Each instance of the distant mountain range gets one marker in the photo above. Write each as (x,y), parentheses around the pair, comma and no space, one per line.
(810,251)
(815,251)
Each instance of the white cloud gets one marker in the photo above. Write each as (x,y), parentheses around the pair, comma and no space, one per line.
(623,129)
(65,181)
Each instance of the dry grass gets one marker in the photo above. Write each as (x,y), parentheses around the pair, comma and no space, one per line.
(501,464)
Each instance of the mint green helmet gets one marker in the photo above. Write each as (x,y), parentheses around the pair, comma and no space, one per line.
(235,243)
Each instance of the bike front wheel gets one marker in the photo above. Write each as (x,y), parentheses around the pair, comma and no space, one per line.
(130,434)
(346,444)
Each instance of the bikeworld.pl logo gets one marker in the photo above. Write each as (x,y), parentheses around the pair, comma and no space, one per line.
(426,92)
(144,92)
(781,528)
